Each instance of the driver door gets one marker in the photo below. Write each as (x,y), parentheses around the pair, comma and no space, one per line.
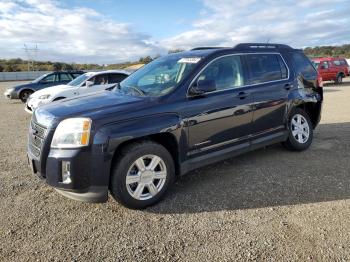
(223,118)
(100,83)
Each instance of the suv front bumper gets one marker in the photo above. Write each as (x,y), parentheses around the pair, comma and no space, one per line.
(88,178)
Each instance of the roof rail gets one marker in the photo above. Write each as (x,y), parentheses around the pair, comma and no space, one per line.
(262,46)
(207,47)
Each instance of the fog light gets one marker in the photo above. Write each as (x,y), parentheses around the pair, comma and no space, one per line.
(66,179)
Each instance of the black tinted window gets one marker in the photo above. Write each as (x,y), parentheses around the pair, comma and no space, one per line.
(265,68)
(302,65)
(116,78)
(100,80)
(49,79)
(65,77)
(226,72)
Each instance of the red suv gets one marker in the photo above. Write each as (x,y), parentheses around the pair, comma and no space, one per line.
(332,69)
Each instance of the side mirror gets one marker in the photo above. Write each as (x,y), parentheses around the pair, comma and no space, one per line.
(202,87)
(89,83)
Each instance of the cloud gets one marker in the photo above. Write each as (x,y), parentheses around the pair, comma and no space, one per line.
(298,23)
(62,34)
(82,34)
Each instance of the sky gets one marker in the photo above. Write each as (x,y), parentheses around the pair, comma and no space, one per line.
(113,31)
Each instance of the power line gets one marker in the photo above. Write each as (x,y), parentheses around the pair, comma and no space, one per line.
(31,54)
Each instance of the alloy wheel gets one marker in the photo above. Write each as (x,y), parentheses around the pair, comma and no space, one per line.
(146,177)
(300,128)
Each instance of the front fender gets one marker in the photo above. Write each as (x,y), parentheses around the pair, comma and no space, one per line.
(110,136)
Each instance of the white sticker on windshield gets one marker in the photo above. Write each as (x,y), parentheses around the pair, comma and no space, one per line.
(189,60)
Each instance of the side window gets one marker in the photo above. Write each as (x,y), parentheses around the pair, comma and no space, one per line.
(265,68)
(336,62)
(116,78)
(325,65)
(302,65)
(65,77)
(100,79)
(226,72)
(49,79)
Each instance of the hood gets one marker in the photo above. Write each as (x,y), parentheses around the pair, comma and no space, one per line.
(18,87)
(53,90)
(89,105)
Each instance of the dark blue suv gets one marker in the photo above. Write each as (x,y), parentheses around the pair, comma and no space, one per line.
(23,91)
(180,112)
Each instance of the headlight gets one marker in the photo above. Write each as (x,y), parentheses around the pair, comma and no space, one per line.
(44,96)
(72,133)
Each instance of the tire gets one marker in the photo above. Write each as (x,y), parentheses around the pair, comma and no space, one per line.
(339,79)
(300,135)
(24,95)
(141,190)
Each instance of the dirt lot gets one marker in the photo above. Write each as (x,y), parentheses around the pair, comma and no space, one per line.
(266,205)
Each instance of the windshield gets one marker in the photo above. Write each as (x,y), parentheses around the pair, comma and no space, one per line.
(160,76)
(80,79)
(39,78)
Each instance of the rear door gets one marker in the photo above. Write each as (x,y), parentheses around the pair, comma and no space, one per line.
(270,84)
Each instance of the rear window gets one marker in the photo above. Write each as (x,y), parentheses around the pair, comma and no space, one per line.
(302,65)
(265,68)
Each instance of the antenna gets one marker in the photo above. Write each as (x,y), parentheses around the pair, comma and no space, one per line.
(31,55)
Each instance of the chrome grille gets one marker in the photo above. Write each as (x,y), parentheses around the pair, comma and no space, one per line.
(37,135)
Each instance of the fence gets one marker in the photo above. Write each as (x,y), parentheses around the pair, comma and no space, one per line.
(18,76)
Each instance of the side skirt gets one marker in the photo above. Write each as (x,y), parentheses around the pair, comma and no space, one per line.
(233,151)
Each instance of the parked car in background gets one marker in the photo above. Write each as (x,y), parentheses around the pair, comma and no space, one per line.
(332,69)
(23,91)
(84,84)
(180,112)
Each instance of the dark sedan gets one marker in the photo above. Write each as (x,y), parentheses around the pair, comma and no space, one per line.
(23,91)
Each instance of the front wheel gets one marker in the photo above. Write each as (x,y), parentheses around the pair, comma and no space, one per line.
(24,95)
(142,174)
(300,131)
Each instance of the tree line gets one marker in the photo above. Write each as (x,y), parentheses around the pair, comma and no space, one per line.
(18,64)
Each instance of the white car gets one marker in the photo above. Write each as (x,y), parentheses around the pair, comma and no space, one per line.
(87,83)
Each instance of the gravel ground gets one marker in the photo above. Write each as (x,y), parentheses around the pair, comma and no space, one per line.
(270,204)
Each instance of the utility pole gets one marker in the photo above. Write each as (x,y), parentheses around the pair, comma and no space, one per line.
(31,55)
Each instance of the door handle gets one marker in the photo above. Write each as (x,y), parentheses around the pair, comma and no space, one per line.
(242,95)
(288,86)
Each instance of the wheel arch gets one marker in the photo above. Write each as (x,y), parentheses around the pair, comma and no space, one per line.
(58,98)
(25,89)
(313,110)
(168,140)
(166,130)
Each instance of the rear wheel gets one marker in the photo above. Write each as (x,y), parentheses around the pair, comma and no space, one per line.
(300,131)
(142,175)
(24,95)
